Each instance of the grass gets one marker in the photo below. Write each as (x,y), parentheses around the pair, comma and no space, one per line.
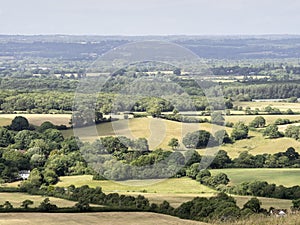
(257,144)
(103,218)
(38,119)
(157,131)
(176,190)
(283,176)
(168,186)
(16,200)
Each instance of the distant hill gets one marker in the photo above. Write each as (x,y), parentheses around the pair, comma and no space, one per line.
(210,47)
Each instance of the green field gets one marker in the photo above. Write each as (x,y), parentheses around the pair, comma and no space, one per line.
(103,218)
(168,186)
(176,190)
(283,176)
(16,200)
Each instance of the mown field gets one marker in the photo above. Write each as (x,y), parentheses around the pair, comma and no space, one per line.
(16,200)
(284,176)
(175,190)
(103,218)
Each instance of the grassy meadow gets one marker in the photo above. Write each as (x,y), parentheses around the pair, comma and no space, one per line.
(175,190)
(283,176)
(183,185)
(157,131)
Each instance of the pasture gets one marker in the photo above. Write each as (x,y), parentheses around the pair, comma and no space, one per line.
(257,144)
(175,190)
(103,218)
(163,186)
(282,176)
(157,131)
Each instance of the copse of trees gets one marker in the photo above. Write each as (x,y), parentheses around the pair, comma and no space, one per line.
(258,122)
(264,91)
(198,139)
(272,131)
(239,131)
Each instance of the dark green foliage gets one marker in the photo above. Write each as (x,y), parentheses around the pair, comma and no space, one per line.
(271,131)
(6,137)
(293,132)
(198,139)
(253,204)
(296,203)
(240,131)
(222,137)
(258,122)
(26,203)
(19,123)
(46,206)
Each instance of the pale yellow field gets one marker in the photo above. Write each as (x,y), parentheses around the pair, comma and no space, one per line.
(103,218)
(38,119)
(249,118)
(16,200)
(157,131)
(283,106)
(257,144)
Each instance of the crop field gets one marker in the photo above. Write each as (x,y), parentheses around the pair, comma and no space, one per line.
(4,121)
(283,106)
(16,200)
(103,218)
(38,119)
(281,176)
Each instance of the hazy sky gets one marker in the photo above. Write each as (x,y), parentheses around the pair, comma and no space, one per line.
(149,17)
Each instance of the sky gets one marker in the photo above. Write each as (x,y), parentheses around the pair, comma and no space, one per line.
(150,17)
